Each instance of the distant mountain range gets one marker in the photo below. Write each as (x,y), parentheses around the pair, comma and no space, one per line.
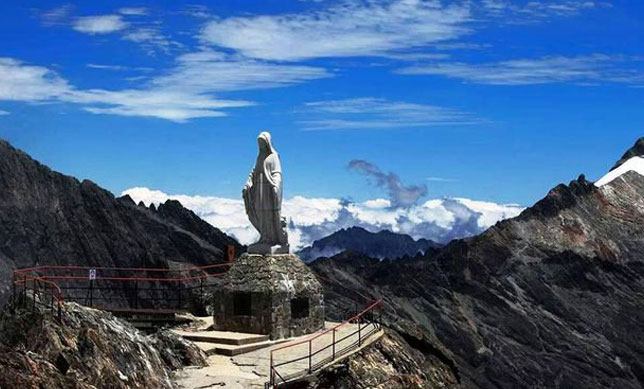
(47,218)
(381,245)
(553,298)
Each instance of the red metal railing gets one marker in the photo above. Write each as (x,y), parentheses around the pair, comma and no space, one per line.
(329,345)
(115,289)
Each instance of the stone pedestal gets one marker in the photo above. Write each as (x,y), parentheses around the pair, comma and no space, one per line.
(274,294)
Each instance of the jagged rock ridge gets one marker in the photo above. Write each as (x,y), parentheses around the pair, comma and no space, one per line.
(636,151)
(383,244)
(48,218)
(552,298)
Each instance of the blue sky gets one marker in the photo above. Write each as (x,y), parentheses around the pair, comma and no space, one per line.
(490,100)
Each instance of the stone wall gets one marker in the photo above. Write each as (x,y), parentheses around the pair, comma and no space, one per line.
(270,282)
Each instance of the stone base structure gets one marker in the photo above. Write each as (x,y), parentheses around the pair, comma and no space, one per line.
(274,294)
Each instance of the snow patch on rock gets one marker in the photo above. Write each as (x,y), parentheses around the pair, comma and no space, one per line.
(635,164)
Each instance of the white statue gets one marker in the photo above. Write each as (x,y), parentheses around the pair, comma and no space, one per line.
(263,200)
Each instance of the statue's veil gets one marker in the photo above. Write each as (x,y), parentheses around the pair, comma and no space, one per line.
(266,136)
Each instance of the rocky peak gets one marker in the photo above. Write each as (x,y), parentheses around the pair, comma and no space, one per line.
(48,218)
(559,198)
(381,245)
(636,151)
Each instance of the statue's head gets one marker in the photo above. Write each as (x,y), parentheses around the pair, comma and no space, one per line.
(264,142)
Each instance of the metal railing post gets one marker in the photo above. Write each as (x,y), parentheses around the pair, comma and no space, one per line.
(91,293)
(270,377)
(201,292)
(333,346)
(310,341)
(136,294)
(33,309)
(24,291)
(180,296)
(13,298)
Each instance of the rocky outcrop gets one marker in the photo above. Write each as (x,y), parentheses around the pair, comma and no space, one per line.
(381,245)
(636,151)
(47,218)
(552,298)
(87,348)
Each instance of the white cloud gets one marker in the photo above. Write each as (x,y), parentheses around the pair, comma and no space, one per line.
(4,112)
(441,179)
(209,71)
(377,113)
(133,11)
(532,11)
(117,67)
(23,82)
(163,104)
(185,92)
(56,16)
(151,39)
(100,24)
(581,69)
(314,218)
(350,28)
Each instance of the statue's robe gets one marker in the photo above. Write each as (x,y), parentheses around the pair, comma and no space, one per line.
(263,198)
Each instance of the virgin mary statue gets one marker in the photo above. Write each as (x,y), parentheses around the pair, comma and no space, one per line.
(263,200)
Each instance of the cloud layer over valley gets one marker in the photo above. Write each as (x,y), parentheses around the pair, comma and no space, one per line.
(310,219)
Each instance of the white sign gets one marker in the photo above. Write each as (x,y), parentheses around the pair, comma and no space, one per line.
(92,274)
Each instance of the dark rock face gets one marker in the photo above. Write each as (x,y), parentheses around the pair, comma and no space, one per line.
(636,151)
(552,298)
(384,244)
(88,349)
(47,218)
(269,294)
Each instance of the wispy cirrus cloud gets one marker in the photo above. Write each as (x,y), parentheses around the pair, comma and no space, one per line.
(133,11)
(151,39)
(534,11)
(377,28)
(349,28)
(596,68)
(185,92)
(365,113)
(118,67)
(210,71)
(2,113)
(441,179)
(56,16)
(99,24)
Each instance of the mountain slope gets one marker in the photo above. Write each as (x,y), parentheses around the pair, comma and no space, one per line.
(49,218)
(552,298)
(383,244)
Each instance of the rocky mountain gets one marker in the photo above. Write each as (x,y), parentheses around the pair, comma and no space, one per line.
(553,298)
(636,151)
(47,218)
(87,349)
(383,244)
